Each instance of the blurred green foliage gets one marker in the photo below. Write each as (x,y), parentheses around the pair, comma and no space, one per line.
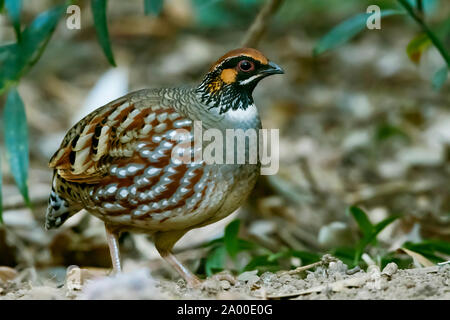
(224,250)
(99,13)
(16,141)
(18,57)
(416,9)
(153,6)
(347,30)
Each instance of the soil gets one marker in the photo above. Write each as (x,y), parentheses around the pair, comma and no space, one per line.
(330,282)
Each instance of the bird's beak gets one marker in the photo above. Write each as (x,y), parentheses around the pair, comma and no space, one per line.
(272,68)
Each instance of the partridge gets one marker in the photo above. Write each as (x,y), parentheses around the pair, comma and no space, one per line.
(118,163)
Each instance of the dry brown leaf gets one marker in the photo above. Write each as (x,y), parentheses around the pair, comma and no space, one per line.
(417,257)
(7,273)
(76,277)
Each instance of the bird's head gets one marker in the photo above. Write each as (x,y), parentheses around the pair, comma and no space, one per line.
(230,81)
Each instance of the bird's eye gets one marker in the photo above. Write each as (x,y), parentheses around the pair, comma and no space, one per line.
(246,66)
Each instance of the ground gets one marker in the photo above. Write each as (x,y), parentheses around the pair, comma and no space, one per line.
(331,281)
(360,125)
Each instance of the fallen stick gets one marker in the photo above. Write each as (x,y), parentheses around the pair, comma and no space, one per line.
(259,26)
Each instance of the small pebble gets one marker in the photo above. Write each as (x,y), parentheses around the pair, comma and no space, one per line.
(390,269)
(225,285)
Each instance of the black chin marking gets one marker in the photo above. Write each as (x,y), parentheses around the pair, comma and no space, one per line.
(229,97)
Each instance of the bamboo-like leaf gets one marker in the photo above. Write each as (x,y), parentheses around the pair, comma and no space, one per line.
(153,7)
(101,27)
(346,30)
(16,59)
(13,7)
(16,141)
(439,78)
(231,238)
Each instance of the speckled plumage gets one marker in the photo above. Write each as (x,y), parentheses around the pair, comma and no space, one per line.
(116,162)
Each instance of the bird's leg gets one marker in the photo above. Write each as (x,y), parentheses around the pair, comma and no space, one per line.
(190,278)
(164,242)
(112,237)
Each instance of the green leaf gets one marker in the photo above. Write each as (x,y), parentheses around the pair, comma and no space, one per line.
(362,220)
(386,131)
(99,12)
(417,46)
(427,249)
(153,7)
(213,13)
(439,245)
(346,254)
(215,261)
(261,263)
(348,29)
(1,183)
(430,245)
(439,78)
(370,237)
(231,238)
(16,141)
(213,242)
(14,7)
(306,257)
(429,6)
(2,3)
(278,255)
(16,59)
(383,224)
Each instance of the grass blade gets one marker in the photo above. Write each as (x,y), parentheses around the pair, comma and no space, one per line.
(153,7)
(383,224)
(16,59)
(16,141)
(363,221)
(13,7)
(346,30)
(368,238)
(1,186)
(101,27)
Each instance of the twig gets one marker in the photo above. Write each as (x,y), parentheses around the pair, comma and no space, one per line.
(306,168)
(326,259)
(337,286)
(437,43)
(259,26)
(388,189)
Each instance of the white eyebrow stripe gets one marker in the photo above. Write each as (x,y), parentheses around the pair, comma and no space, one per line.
(247,81)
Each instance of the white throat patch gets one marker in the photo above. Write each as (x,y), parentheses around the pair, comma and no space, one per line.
(240,115)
